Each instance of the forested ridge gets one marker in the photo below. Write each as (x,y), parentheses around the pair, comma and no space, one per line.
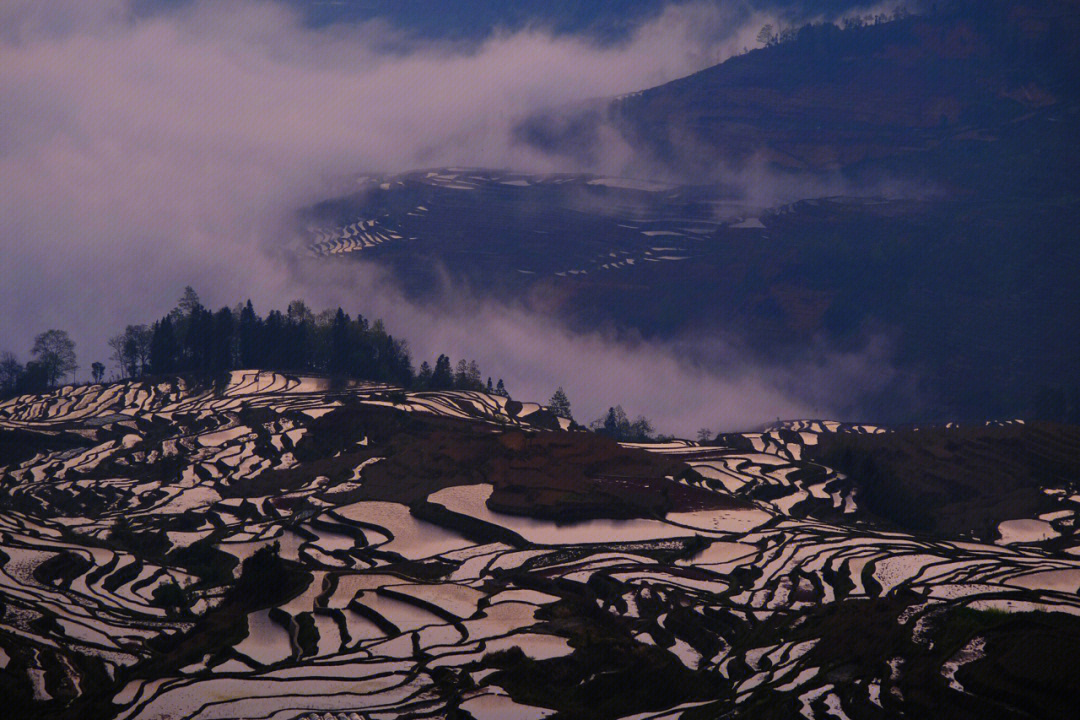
(194,340)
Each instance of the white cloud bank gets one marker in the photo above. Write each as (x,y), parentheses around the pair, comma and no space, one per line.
(139,154)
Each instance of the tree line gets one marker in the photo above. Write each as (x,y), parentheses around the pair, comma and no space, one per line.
(617,425)
(192,339)
(770,36)
(53,359)
(195,340)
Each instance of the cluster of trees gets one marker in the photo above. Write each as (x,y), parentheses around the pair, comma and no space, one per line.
(770,35)
(616,425)
(466,376)
(858,21)
(193,339)
(53,359)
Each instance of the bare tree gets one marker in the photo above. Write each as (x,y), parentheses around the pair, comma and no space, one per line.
(119,357)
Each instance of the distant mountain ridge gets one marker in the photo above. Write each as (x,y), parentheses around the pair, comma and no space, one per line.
(964,126)
(983,97)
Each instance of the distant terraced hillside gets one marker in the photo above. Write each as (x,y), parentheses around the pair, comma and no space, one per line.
(276,548)
(943,282)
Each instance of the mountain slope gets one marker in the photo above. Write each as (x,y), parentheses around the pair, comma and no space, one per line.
(972,297)
(980,98)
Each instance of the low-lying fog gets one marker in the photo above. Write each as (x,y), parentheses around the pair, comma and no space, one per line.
(142,152)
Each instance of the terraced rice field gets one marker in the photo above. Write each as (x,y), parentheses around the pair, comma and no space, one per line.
(414,208)
(402,594)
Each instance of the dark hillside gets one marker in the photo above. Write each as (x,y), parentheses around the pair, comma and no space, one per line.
(949,97)
(957,480)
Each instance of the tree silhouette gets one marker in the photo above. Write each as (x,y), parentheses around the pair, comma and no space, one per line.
(423,378)
(248,337)
(97,369)
(222,342)
(559,404)
(616,425)
(34,379)
(198,341)
(441,377)
(188,302)
(767,37)
(55,353)
(341,346)
(474,376)
(119,355)
(194,339)
(131,350)
(163,347)
(461,376)
(11,371)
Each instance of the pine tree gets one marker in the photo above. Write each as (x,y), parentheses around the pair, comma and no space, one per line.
(340,344)
(441,377)
(163,347)
(274,341)
(615,422)
(500,389)
(461,376)
(188,302)
(423,378)
(222,342)
(198,341)
(559,404)
(248,338)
